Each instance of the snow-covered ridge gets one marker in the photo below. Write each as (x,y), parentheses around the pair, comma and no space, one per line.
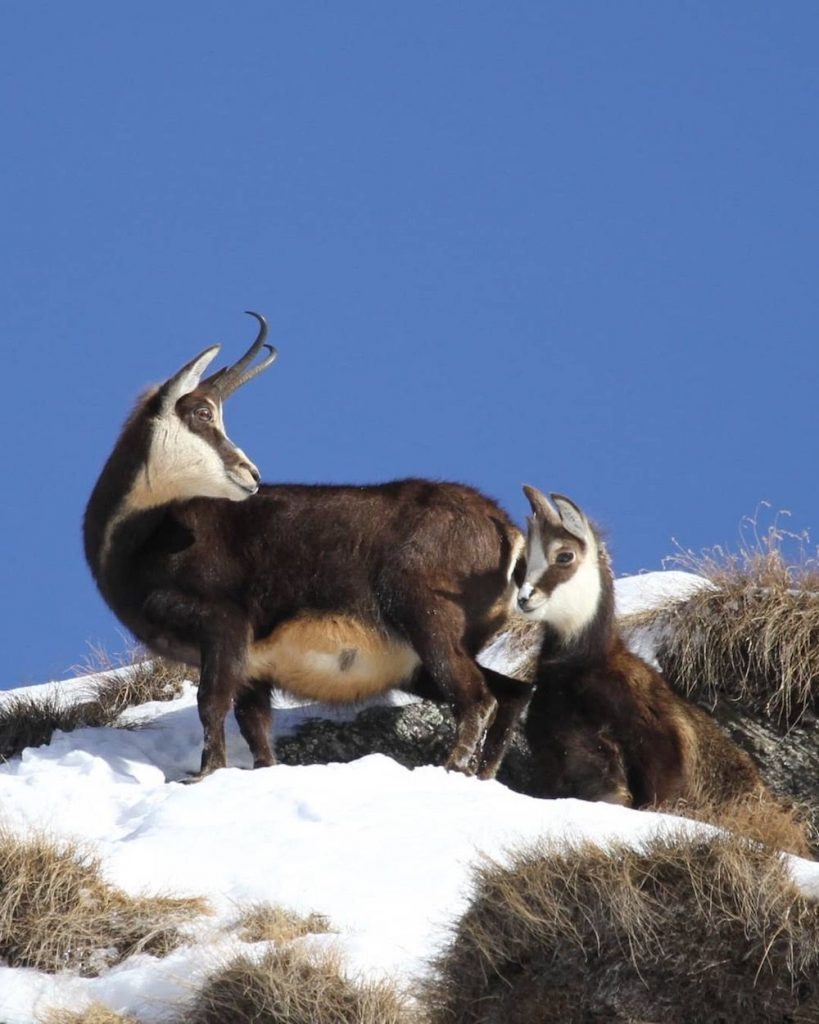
(383,851)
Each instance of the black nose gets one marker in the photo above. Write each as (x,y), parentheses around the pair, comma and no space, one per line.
(522,603)
(253,472)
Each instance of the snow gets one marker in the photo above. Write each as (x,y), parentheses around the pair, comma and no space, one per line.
(635,594)
(67,690)
(384,852)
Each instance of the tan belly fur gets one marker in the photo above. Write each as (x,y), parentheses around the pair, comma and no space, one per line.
(331,658)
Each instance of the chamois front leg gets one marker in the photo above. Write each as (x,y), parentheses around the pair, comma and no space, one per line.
(224,658)
(222,635)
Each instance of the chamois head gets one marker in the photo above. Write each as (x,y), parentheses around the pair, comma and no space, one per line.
(189,455)
(563,583)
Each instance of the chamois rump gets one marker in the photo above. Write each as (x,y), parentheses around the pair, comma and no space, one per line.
(331,593)
(602,724)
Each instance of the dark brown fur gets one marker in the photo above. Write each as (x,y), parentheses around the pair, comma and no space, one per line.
(200,580)
(604,725)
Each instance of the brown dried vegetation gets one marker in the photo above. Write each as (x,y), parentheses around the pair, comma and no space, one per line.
(137,678)
(267,922)
(760,817)
(30,720)
(291,986)
(753,636)
(57,912)
(94,1013)
(688,931)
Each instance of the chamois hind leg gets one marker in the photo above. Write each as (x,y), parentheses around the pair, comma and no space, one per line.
(475,709)
(436,637)
(252,711)
(512,697)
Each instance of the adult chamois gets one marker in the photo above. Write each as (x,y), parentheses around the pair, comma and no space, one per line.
(329,592)
(602,723)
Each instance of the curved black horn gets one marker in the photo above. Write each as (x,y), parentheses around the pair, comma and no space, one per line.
(225,382)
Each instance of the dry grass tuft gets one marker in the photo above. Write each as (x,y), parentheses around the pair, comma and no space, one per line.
(292,986)
(135,678)
(760,817)
(754,636)
(57,912)
(28,720)
(267,922)
(686,931)
(94,1013)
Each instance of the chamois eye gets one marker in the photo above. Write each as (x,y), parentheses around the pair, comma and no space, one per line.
(203,413)
(564,557)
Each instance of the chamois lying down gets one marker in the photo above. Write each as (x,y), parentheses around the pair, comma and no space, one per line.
(604,725)
(330,593)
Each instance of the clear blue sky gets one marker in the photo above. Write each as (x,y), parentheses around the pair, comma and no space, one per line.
(569,244)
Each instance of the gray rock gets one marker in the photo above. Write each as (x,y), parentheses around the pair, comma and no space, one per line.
(413,735)
(787,755)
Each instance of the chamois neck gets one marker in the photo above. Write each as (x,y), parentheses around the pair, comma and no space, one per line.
(596,638)
(115,481)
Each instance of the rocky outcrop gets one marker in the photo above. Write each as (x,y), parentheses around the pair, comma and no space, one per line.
(787,756)
(422,733)
(416,734)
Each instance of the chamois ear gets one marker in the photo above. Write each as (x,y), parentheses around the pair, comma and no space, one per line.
(540,506)
(186,379)
(572,518)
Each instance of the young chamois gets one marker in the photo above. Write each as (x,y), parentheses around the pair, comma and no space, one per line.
(329,592)
(602,724)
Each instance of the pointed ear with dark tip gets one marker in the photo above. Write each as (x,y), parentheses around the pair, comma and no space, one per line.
(185,380)
(572,518)
(540,506)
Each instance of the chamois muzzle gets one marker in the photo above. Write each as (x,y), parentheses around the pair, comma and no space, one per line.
(229,379)
(529,598)
(245,475)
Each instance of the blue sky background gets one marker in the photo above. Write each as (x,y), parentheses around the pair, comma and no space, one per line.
(567,244)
